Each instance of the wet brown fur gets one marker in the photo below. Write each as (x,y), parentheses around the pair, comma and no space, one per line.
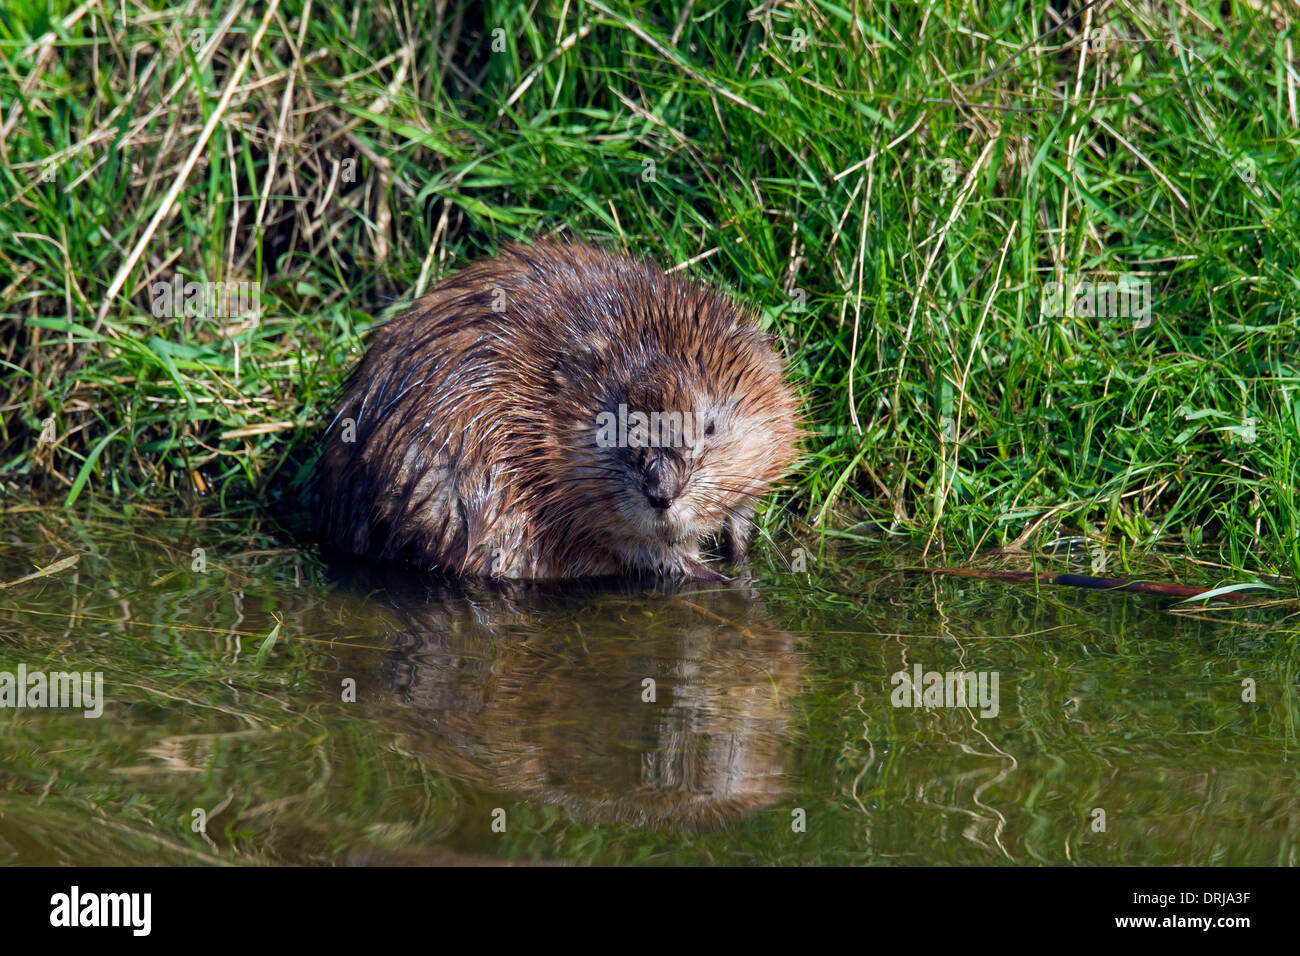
(475,448)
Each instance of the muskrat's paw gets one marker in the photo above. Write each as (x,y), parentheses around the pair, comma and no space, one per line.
(735,539)
(743,575)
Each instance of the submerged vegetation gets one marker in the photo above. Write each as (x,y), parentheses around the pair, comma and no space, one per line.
(922,199)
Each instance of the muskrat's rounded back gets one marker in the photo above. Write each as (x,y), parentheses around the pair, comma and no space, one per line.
(554,412)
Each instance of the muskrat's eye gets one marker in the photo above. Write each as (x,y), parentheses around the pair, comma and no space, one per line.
(709,429)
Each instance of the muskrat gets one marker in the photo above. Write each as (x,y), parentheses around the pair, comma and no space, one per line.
(556,412)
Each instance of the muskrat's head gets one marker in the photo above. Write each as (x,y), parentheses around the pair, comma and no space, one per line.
(684,456)
(675,434)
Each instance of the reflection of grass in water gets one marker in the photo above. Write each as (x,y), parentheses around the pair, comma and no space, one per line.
(1105,703)
(299,776)
(192,718)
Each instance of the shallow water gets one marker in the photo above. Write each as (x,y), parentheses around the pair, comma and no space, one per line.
(393,721)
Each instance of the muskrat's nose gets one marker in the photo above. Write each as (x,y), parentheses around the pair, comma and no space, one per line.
(660,493)
(661,481)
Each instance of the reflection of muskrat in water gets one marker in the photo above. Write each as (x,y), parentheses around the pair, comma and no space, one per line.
(489,684)
(558,412)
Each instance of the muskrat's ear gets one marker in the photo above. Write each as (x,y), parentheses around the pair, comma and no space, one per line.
(575,367)
(562,372)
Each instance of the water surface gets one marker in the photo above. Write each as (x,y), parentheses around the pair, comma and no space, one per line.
(261,707)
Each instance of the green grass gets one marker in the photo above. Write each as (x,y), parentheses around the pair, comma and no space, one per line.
(911,177)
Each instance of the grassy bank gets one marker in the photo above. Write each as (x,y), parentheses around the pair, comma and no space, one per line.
(892,185)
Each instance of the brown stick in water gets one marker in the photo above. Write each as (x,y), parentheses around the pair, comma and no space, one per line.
(1163,588)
